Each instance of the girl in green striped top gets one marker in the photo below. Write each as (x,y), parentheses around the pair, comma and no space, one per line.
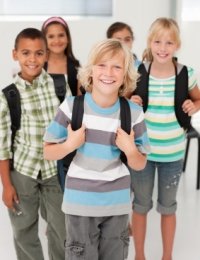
(167,137)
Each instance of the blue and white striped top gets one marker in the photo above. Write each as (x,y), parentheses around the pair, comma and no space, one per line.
(97,183)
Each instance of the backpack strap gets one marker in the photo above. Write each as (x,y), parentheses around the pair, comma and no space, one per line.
(77,112)
(76,123)
(181,94)
(12,96)
(143,84)
(72,76)
(60,85)
(14,103)
(125,116)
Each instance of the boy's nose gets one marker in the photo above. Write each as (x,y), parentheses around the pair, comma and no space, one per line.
(108,71)
(32,57)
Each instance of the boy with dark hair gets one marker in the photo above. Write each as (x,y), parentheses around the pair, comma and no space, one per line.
(33,178)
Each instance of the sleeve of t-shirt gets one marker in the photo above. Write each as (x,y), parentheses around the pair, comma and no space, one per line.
(56,132)
(192,80)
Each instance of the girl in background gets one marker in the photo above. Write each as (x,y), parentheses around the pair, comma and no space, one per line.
(61,60)
(124,33)
(62,66)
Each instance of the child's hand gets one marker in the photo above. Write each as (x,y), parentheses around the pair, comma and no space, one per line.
(136,99)
(189,107)
(124,141)
(10,196)
(76,138)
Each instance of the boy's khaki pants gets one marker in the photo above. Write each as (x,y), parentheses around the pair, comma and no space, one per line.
(31,193)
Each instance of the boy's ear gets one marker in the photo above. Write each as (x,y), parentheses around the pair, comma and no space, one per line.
(14,54)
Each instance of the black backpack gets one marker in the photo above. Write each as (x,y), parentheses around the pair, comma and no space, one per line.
(14,103)
(60,82)
(181,90)
(77,117)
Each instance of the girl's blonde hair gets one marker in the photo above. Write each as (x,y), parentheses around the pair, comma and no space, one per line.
(158,28)
(109,47)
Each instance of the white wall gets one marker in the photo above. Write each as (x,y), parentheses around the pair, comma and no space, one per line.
(85,31)
(189,52)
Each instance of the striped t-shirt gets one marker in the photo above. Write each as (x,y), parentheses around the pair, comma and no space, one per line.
(167,138)
(97,183)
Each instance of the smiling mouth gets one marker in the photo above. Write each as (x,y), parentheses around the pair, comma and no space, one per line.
(32,67)
(162,55)
(107,81)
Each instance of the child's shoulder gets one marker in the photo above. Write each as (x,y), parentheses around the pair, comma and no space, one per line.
(67,104)
(3,100)
(10,89)
(190,70)
(44,76)
(134,106)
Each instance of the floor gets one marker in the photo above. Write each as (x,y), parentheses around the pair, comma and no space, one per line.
(187,240)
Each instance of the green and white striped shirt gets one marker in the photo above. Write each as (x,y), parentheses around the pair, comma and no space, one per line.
(38,105)
(166,137)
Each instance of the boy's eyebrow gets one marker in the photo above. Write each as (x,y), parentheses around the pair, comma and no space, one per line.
(32,50)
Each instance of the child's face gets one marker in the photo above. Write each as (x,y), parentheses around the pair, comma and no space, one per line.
(108,74)
(31,55)
(163,47)
(124,36)
(56,38)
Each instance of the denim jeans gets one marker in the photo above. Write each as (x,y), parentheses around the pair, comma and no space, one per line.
(25,226)
(142,183)
(97,238)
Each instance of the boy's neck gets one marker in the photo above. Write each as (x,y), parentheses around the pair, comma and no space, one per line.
(30,80)
(103,100)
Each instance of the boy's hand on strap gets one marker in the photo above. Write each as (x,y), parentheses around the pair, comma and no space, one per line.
(75,138)
(124,141)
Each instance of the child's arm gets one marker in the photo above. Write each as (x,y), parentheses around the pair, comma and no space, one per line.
(191,106)
(9,195)
(136,160)
(53,151)
(136,99)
